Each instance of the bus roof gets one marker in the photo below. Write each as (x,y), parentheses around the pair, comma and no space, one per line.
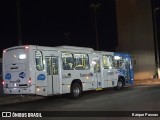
(55,48)
(104,52)
(76,48)
(123,54)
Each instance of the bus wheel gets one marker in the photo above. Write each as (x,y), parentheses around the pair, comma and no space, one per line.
(76,90)
(119,84)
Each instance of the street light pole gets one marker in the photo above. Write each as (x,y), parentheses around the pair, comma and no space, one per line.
(156,40)
(19,22)
(95,6)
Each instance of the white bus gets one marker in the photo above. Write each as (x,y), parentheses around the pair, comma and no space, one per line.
(58,70)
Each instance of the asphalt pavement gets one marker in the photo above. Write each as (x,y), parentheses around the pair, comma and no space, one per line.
(11,99)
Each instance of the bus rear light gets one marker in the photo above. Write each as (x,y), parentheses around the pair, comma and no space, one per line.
(29,81)
(3,83)
(4,51)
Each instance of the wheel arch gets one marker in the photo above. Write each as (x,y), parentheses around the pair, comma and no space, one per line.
(122,78)
(77,81)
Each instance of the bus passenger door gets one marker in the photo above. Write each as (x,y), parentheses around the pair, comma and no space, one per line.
(128,72)
(53,84)
(97,74)
(40,75)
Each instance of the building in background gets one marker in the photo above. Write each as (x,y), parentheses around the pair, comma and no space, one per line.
(135,35)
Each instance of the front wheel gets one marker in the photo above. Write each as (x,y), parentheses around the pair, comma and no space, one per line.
(76,90)
(119,84)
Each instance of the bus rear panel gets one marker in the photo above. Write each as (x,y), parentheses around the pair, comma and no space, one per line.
(16,73)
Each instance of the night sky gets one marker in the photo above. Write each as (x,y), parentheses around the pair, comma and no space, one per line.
(58,22)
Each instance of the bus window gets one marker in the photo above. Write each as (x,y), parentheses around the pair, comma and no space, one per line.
(107,62)
(55,65)
(81,61)
(39,61)
(52,65)
(133,62)
(96,63)
(67,59)
(119,62)
(48,65)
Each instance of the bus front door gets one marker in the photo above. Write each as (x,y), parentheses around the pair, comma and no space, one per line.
(128,72)
(53,85)
(97,74)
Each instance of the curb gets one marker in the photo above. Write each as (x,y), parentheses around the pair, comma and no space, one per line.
(147,82)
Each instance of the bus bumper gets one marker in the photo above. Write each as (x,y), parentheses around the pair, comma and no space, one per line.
(20,90)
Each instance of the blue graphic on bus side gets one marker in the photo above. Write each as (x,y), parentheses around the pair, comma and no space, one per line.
(22,75)
(8,76)
(121,72)
(41,77)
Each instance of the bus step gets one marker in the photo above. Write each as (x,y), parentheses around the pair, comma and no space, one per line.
(98,89)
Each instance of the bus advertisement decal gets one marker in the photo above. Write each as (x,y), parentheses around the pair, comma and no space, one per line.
(8,76)
(86,75)
(41,77)
(22,75)
(66,76)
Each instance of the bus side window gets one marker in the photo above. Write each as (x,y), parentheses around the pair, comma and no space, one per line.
(81,61)
(39,60)
(97,66)
(67,59)
(55,65)
(48,65)
(108,62)
(120,64)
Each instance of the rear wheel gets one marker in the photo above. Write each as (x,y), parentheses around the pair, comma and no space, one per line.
(120,84)
(76,90)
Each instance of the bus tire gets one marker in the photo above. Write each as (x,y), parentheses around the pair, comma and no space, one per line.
(120,84)
(76,91)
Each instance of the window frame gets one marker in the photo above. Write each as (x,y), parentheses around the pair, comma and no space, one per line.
(41,67)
